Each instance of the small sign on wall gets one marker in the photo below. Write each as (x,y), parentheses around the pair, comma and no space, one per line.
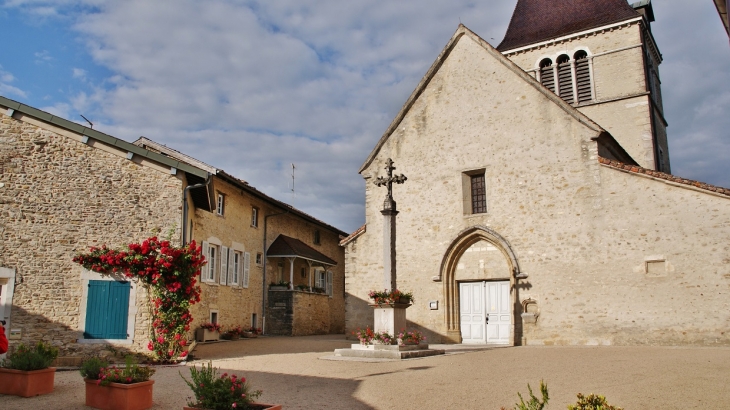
(15,334)
(433,304)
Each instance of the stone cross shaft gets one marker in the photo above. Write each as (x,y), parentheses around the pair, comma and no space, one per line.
(389,212)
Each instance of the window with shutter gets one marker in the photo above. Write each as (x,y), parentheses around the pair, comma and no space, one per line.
(246,268)
(565,78)
(107,309)
(329,283)
(547,74)
(224,266)
(582,76)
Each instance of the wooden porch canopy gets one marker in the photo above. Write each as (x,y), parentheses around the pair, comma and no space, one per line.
(292,248)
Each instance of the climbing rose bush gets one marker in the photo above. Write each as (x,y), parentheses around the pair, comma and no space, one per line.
(169,274)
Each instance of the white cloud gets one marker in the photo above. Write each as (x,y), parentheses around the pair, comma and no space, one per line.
(42,57)
(6,88)
(252,86)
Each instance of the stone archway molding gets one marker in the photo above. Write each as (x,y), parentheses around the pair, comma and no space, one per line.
(447,272)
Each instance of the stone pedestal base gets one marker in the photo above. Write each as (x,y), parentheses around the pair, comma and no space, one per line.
(388,351)
(390,318)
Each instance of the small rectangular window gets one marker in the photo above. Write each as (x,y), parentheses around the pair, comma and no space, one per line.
(316,237)
(213,316)
(259,258)
(236,268)
(220,205)
(254,217)
(212,255)
(478,194)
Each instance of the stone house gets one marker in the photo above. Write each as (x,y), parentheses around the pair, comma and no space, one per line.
(65,187)
(241,229)
(539,207)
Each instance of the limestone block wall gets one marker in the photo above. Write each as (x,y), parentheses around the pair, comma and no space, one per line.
(59,197)
(611,258)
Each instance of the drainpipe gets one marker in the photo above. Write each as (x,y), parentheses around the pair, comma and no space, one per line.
(263,287)
(185,205)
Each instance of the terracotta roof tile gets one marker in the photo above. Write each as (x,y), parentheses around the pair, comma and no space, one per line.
(662,175)
(353,235)
(534,21)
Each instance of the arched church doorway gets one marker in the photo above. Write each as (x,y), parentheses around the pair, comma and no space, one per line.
(478,273)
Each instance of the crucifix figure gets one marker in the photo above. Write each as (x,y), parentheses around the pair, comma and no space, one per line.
(389,212)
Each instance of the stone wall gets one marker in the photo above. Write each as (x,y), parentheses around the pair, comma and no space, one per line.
(59,197)
(611,257)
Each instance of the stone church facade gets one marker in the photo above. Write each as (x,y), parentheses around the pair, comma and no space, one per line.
(534,216)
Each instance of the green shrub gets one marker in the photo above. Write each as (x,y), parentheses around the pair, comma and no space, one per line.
(219,392)
(534,403)
(591,402)
(26,358)
(91,368)
(131,373)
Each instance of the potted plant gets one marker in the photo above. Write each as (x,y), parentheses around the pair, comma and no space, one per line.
(369,337)
(252,332)
(208,331)
(280,285)
(414,337)
(390,297)
(213,392)
(233,334)
(26,372)
(113,388)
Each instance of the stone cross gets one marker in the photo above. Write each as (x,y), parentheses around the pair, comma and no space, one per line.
(389,212)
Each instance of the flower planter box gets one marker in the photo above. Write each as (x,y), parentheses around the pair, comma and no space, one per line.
(249,335)
(258,406)
(277,287)
(205,335)
(26,384)
(117,396)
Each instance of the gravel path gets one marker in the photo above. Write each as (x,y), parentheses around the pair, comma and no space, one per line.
(291,371)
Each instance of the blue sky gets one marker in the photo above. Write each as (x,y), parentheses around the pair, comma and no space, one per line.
(253,86)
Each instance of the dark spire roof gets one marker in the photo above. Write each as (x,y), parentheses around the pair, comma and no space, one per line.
(534,21)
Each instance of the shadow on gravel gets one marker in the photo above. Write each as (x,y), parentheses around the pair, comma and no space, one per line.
(264,345)
(304,392)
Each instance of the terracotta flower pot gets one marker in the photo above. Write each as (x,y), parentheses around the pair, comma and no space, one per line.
(26,383)
(258,406)
(118,396)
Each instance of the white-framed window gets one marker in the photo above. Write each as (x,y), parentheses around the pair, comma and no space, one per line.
(254,217)
(213,316)
(323,279)
(221,204)
(212,258)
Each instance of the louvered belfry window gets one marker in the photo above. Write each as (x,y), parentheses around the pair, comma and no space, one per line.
(478,194)
(547,75)
(582,76)
(565,78)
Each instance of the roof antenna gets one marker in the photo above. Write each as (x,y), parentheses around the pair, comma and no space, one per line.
(87,120)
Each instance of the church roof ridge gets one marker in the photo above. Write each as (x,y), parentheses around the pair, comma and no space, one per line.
(635,169)
(534,21)
(462,30)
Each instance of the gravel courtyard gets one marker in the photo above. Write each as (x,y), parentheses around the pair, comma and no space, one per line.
(295,372)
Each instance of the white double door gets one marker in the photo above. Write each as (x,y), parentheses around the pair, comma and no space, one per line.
(485,312)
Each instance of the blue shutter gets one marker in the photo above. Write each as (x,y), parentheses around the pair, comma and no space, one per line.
(96,304)
(118,309)
(107,307)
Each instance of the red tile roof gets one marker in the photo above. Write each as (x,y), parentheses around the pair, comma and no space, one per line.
(534,21)
(353,235)
(661,175)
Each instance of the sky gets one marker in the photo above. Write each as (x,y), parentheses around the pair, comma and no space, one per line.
(251,87)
